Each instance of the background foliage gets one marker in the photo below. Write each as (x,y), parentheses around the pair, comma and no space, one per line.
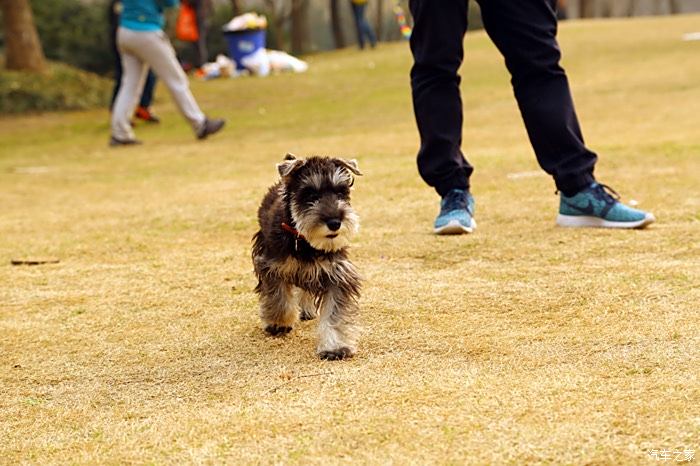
(77,33)
(62,88)
(74,33)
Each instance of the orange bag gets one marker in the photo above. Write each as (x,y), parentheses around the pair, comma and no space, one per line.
(186,26)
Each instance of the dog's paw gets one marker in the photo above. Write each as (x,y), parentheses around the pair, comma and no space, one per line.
(336,354)
(276,330)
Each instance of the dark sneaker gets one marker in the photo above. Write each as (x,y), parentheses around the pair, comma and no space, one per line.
(145,114)
(456,214)
(210,127)
(598,206)
(114,142)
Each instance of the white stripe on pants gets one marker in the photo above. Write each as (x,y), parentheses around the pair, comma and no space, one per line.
(141,50)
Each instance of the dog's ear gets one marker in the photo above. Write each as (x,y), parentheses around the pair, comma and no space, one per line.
(289,165)
(350,165)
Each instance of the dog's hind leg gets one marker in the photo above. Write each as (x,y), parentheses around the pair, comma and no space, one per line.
(278,306)
(336,327)
(307,304)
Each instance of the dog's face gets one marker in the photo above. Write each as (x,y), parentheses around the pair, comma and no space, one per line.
(318,192)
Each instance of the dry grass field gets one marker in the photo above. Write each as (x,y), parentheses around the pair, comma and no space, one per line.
(521,344)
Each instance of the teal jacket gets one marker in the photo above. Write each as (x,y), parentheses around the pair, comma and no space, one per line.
(144,15)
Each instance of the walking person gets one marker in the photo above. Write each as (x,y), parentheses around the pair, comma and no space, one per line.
(364,30)
(143,111)
(524,31)
(143,44)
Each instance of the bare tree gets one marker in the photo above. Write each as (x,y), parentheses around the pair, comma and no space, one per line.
(300,25)
(671,6)
(337,25)
(278,14)
(380,19)
(22,46)
(585,8)
(236,7)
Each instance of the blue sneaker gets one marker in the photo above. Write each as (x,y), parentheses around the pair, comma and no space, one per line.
(456,214)
(598,206)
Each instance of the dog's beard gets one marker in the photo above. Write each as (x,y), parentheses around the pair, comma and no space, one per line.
(317,233)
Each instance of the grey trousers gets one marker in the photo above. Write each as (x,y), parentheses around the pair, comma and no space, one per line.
(141,50)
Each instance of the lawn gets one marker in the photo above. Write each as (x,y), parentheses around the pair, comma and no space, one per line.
(522,343)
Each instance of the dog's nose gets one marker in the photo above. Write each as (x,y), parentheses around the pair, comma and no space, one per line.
(333,224)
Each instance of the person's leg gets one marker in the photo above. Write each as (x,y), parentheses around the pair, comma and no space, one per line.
(155,49)
(436,44)
(525,33)
(358,25)
(201,44)
(117,75)
(365,26)
(133,76)
(143,112)
(148,89)
(371,35)
(201,50)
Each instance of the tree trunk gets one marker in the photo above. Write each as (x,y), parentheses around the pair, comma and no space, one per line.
(273,40)
(337,25)
(380,19)
(585,9)
(300,26)
(276,18)
(22,46)
(657,7)
(675,6)
(236,8)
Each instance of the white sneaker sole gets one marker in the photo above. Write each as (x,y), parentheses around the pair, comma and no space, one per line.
(453,227)
(581,221)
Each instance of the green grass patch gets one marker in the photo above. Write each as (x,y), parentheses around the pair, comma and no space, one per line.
(62,87)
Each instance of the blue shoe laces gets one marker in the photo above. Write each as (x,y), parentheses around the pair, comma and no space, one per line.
(605,193)
(600,191)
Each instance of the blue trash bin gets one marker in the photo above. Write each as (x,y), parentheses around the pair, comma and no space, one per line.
(244,43)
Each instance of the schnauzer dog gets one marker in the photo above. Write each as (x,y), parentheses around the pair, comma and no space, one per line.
(300,254)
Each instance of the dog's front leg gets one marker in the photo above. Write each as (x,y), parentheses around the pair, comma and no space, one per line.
(336,327)
(278,306)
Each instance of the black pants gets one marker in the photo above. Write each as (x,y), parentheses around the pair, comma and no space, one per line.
(524,31)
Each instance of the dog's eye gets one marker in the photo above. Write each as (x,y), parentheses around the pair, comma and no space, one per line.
(342,191)
(311,195)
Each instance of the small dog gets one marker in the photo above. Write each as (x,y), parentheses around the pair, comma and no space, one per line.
(300,254)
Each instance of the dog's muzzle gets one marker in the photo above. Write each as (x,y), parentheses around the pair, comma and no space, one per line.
(333,224)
